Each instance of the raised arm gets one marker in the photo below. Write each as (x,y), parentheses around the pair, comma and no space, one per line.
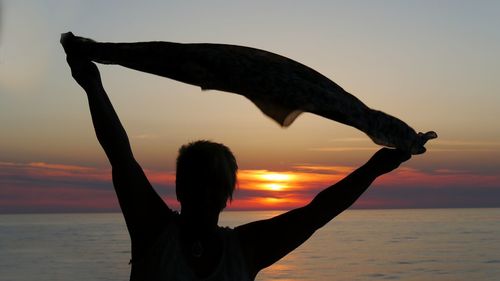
(265,242)
(109,131)
(144,211)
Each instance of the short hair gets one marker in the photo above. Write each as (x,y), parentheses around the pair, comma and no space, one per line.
(206,164)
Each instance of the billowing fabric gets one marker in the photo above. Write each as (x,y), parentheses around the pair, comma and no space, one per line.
(166,261)
(280,87)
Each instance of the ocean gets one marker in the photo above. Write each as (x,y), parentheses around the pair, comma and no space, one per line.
(412,244)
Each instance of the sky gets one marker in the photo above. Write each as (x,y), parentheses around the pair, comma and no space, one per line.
(433,64)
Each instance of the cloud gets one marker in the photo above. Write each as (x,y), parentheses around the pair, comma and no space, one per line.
(53,187)
(254,179)
(406,176)
(350,140)
(330,169)
(48,187)
(448,142)
(43,187)
(342,149)
(347,145)
(447,145)
(405,187)
(44,173)
(144,137)
(438,145)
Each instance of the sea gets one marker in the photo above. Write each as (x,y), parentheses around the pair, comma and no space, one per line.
(396,244)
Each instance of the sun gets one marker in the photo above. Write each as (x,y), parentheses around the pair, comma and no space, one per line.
(273,181)
(274,186)
(276,177)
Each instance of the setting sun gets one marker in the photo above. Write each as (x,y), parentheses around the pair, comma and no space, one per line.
(268,181)
(275,181)
(273,186)
(264,189)
(281,177)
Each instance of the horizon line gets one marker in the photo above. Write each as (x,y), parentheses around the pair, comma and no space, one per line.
(249,210)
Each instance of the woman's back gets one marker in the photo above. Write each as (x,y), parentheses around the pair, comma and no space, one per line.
(173,257)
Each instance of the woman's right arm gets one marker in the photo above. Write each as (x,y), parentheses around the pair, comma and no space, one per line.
(144,210)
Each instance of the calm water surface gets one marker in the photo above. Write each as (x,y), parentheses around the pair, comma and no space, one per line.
(431,244)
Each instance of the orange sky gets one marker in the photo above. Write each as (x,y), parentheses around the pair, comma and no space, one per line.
(56,187)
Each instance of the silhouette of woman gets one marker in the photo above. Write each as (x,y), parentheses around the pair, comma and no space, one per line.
(190,245)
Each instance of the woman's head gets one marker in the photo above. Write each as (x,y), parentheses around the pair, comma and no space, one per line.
(206,176)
